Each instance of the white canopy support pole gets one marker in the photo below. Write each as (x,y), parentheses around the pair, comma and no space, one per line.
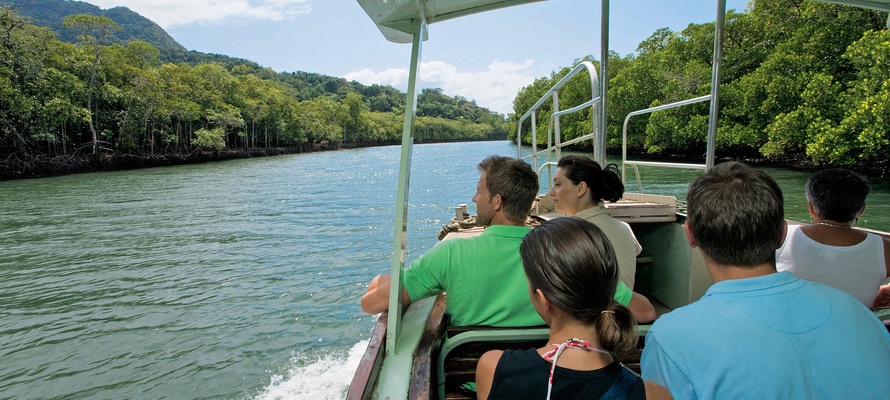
(400,234)
(715,84)
(600,142)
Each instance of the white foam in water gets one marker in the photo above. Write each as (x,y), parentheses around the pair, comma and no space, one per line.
(326,378)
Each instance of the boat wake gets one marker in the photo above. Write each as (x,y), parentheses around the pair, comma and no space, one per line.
(326,377)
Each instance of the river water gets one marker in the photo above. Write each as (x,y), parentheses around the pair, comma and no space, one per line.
(235,280)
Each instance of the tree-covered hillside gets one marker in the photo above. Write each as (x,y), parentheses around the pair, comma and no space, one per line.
(801,80)
(61,101)
(50,13)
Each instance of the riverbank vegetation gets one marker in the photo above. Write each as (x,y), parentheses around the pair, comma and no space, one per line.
(94,105)
(802,81)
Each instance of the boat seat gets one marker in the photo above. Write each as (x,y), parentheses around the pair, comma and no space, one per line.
(644,258)
(460,352)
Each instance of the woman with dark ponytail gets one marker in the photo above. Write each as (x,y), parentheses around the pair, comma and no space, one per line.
(580,188)
(572,274)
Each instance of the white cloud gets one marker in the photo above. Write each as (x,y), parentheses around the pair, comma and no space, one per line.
(167,13)
(493,88)
(397,77)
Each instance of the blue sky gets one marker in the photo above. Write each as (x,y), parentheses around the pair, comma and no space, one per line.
(486,57)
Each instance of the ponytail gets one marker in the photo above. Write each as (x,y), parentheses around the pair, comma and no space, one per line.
(613,187)
(617,330)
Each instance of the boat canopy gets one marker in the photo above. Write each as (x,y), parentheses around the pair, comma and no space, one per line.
(880,5)
(396,19)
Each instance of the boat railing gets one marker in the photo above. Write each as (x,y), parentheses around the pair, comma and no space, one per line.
(547,164)
(634,163)
(714,98)
(598,104)
(554,137)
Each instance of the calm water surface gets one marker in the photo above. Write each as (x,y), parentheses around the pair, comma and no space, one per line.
(236,279)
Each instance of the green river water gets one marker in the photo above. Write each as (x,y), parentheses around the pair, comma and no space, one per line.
(235,280)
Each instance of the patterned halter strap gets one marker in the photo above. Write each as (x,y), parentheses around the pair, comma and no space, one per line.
(573,343)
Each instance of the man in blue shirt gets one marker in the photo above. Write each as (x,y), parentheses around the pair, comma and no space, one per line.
(758,333)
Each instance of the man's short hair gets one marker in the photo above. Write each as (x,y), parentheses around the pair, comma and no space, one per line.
(837,194)
(515,181)
(736,215)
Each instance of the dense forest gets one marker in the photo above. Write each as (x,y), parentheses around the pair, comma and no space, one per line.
(801,81)
(107,102)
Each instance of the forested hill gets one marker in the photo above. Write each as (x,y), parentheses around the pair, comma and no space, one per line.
(50,13)
(308,85)
(801,81)
(102,103)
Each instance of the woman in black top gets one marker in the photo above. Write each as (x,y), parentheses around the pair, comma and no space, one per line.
(572,273)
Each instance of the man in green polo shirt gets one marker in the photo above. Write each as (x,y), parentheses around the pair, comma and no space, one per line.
(483,275)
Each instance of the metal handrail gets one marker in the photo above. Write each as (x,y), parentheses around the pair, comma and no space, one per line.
(714,97)
(634,164)
(598,101)
(553,121)
(546,164)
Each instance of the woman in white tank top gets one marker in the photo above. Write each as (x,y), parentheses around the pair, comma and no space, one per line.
(830,250)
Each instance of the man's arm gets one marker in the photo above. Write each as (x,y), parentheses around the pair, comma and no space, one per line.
(376,300)
(883,299)
(641,308)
